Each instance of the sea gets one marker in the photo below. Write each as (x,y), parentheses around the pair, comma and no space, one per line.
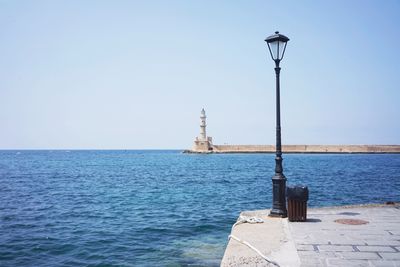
(158,207)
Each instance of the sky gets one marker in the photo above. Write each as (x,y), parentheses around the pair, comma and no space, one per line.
(136,74)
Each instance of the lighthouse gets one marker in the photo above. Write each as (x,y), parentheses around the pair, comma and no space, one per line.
(203,143)
(203,135)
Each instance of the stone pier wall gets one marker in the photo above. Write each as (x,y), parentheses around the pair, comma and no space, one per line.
(303,149)
(242,148)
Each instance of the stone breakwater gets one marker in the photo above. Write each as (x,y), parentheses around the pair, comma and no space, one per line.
(339,149)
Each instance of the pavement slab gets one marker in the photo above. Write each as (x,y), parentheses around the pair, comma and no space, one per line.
(371,244)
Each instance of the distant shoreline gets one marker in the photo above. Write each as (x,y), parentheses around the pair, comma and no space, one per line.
(301,149)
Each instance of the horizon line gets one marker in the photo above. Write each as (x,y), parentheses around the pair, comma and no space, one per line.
(5,149)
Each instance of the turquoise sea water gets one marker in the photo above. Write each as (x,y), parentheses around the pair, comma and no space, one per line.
(158,208)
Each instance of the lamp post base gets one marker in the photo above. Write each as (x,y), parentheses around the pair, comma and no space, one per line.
(279,196)
(277,213)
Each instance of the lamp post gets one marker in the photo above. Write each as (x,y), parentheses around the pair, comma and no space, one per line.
(277,46)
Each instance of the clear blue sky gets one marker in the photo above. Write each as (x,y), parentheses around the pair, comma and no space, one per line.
(135,74)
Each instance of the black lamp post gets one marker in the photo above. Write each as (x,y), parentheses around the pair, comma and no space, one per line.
(277,46)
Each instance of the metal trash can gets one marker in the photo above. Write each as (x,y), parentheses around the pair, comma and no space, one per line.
(297,197)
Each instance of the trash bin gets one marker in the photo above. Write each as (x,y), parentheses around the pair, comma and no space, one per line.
(297,197)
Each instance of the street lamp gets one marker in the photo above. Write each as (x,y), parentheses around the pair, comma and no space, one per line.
(277,46)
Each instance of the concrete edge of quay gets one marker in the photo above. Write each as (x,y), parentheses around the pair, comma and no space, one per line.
(322,240)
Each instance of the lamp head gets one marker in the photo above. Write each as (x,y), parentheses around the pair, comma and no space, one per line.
(277,45)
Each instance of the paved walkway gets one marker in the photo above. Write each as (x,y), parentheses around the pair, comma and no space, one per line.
(321,241)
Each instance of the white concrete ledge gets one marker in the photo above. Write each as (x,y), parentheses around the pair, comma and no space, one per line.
(272,238)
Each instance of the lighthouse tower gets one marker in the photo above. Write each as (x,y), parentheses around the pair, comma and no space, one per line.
(203,143)
(203,135)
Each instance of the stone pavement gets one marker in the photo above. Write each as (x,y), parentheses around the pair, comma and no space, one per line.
(321,241)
